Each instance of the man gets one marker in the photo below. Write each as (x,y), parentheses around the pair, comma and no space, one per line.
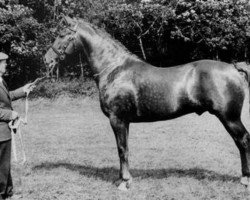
(7,114)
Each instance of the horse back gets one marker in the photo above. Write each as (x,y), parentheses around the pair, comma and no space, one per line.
(141,92)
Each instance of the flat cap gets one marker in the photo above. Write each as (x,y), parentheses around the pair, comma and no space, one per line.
(3,56)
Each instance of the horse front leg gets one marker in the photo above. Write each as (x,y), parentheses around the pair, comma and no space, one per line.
(121,131)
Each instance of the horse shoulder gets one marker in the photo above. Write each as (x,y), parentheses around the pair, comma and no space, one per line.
(119,95)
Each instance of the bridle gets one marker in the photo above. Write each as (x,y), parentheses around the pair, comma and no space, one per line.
(77,45)
(72,38)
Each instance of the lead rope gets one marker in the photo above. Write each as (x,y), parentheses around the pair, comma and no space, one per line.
(15,127)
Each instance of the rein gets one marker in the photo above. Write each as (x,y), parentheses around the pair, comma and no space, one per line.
(104,70)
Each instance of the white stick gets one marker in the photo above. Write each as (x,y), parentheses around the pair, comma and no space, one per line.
(14,145)
(22,146)
(26,110)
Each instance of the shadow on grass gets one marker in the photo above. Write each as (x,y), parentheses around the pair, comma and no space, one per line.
(110,174)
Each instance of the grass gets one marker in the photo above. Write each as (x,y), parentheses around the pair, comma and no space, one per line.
(72,154)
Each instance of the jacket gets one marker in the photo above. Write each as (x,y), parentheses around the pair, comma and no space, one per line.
(6,98)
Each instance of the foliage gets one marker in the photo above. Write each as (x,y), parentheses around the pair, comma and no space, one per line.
(201,29)
(213,27)
(43,10)
(148,22)
(164,32)
(22,37)
(70,87)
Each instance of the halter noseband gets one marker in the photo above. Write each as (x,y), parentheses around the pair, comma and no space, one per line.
(61,53)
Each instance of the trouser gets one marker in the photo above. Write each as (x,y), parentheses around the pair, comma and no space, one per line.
(6,185)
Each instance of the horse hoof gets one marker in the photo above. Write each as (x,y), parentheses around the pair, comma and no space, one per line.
(244,180)
(248,188)
(123,186)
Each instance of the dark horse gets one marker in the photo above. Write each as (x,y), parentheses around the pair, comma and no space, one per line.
(132,90)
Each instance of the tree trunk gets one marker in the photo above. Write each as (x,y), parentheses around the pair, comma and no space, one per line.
(245,54)
(81,65)
(142,49)
(55,10)
(217,55)
(57,73)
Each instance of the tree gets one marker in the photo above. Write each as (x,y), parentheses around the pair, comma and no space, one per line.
(163,32)
(22,37)
(216,29)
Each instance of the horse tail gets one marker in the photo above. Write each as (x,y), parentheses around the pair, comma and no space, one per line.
(245,68)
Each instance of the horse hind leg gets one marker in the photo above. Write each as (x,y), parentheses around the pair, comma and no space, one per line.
(121,131)
(242,140)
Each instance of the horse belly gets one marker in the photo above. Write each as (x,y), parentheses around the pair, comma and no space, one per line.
(159,103)
(150,105)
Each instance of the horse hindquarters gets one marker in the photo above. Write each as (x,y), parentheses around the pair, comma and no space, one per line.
(223,94)
(230,117)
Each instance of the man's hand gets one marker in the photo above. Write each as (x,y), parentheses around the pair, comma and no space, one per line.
(28,88)
(14,115)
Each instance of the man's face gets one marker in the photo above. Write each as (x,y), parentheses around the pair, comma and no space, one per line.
(3,65)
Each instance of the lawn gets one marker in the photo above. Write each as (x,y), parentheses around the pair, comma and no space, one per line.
(71,155)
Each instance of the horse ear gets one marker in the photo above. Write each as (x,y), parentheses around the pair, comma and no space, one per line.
(68,20)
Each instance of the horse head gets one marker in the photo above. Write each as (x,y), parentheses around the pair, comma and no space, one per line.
(97,48)
(64,45)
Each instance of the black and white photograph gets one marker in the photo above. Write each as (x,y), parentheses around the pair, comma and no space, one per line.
(124,99)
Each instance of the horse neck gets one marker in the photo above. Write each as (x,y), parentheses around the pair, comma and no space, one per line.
(104,54)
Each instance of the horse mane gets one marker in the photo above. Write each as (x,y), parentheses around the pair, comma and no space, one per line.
(105,35)
(111,53)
